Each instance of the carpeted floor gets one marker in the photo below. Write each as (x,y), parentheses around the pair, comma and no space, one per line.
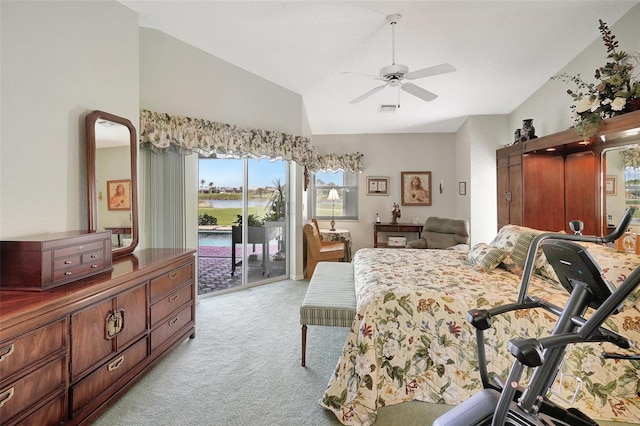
(243,368)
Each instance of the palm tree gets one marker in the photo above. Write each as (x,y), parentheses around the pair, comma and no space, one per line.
(277,203)
(202,185)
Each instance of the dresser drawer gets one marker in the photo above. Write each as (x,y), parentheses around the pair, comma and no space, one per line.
(91,341)
(167,283)
(53,413)
(24,351)
(67,262)
(32,388)
(98,382)
(78,248)
(93,256)
(169,304)
(171,326)
(80,271)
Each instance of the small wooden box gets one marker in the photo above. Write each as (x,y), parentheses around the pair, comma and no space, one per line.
(40,262)
(397,241)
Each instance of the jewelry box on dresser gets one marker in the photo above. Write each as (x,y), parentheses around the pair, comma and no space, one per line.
(40,262)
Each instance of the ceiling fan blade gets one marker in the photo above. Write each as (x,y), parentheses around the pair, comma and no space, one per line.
(426,72)
(421,93)
(369,93)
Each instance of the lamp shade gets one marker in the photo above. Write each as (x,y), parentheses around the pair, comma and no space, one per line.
(333,195)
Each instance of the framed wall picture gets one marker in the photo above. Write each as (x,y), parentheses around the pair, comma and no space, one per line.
(416,188)
(119,194)
(610,185)
(377,185)
(462,188)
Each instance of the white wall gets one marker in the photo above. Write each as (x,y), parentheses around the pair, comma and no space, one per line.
(549,106)
(389,155)
(483,135)
(60,60)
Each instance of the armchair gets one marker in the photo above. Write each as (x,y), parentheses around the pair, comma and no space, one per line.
(443,233)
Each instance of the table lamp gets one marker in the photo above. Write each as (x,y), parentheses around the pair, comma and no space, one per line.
(333,197)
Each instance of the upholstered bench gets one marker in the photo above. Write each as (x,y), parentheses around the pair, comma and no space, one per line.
(330,299)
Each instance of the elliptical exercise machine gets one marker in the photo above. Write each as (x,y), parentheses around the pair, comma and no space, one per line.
(509,404)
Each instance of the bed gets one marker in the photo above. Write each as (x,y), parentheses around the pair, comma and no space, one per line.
(410,339)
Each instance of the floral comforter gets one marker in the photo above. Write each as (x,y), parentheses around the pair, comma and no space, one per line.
(410,339)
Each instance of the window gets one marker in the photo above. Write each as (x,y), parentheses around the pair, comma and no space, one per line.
(346,184)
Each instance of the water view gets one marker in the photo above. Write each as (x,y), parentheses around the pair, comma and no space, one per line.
(214,239)
(233,204)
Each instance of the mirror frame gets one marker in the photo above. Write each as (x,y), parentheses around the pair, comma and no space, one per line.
(92,190)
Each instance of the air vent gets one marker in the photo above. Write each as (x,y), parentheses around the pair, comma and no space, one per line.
(387,108)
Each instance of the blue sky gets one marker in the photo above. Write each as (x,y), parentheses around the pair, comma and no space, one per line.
(228,172)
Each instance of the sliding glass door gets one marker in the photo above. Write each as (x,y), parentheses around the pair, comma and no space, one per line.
(242,222)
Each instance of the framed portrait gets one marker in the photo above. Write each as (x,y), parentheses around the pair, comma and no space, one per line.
(416,188)
(610,185)
(462,188)
(119,194)
(377,185)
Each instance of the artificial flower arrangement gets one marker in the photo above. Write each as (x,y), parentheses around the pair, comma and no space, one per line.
(616,93)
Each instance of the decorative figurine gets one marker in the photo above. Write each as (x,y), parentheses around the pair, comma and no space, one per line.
(528,131)
(517,135)
(395,214)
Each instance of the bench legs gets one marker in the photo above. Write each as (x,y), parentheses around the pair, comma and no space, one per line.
(304,343)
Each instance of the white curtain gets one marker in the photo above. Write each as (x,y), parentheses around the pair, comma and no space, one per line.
(165,202)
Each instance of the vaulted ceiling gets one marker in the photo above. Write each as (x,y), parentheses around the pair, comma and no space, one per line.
(330,52)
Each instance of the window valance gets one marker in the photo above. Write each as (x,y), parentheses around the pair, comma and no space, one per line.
(160,131)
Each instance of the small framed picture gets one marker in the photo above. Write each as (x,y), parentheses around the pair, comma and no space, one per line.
(119,194)
(610,185)
(416,188)
(377,185)
(462,188)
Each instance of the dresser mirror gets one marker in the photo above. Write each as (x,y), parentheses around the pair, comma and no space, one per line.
(112,179)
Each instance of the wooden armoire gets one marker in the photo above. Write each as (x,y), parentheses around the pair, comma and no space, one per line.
(546,182)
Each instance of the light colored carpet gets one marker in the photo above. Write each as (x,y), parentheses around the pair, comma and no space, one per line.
(243,368)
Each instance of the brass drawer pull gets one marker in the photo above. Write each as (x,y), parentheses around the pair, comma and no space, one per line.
(114,323)
(116,363)
(6,351)
(94,266)
(173,275)
(67,262)
(173,322)
(80,247)
(94,256)
(67,273)
(6,396)
(173,298)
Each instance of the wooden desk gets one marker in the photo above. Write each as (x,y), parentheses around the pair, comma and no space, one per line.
(388,227)
(118,230)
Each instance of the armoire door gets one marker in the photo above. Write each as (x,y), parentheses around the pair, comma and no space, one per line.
(544,192)
(581,177)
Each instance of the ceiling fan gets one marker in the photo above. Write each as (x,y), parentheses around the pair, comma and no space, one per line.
(393,75)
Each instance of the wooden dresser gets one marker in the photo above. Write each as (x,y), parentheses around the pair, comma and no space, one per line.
(68,353)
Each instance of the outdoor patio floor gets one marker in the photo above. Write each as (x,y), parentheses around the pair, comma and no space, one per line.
(214,268)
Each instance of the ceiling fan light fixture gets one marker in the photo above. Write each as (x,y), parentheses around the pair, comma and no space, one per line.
(387,108)
(394,75)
